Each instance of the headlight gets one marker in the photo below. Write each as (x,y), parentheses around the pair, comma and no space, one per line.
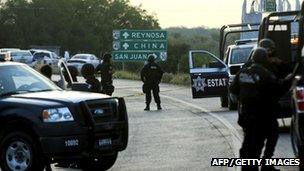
(57,115)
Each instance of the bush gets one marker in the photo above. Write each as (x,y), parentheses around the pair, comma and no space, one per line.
(126,75)
(178,79)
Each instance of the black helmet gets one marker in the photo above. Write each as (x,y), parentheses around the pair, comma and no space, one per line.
(151,58)
(87,70)
(260,55)
(268,44)
(47,71)
(74,72)
(107,57)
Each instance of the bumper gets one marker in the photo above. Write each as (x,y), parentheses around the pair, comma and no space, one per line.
(96,136)
(107,138)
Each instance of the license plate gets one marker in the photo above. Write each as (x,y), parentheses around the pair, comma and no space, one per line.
(104,142)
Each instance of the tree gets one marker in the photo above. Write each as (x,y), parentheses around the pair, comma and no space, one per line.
(75,25)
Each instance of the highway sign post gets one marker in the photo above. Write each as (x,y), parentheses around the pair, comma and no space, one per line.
(137,45)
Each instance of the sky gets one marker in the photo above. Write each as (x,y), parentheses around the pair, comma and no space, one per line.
(193,13)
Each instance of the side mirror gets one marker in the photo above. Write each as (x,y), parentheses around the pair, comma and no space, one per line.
(80,87)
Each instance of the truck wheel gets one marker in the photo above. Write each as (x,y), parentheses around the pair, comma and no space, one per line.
(231,105)
(102,163)
(224,101)
(18,151)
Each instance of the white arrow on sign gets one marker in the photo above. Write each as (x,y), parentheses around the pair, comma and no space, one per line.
(126,46)
(126,35)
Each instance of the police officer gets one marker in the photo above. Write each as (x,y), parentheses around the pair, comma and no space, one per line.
(47,71)
(274,66)
(87,71)
(151,75)
(106,71)
(258,91)
(274,62)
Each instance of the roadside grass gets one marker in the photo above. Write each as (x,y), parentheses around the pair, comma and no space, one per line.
(177,79)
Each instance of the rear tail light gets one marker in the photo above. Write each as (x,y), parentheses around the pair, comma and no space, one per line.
(300,98)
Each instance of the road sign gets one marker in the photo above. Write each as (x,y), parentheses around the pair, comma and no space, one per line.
(139,35)
(136,45)
(270,5)
(140,45)
(138,56)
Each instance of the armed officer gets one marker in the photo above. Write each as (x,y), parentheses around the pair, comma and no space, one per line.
(87,71)
(151,75)
(106,71)
(258,91)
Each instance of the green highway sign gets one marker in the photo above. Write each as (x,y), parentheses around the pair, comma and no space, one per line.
(139,35)
(137,45)
(140,45)
(270,6)
(138,56)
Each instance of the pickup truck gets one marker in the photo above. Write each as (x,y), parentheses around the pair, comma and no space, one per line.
(41,124)
(211,75)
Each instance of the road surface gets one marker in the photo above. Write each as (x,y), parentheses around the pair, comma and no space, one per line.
(185,135)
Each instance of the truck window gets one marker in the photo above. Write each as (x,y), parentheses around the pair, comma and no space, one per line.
(21,78)
(240,55)
(205,60)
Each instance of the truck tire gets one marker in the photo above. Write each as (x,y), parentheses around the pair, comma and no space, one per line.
(224,101)
(18,151)
(102,163)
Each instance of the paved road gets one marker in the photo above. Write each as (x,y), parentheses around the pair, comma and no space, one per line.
(185,135)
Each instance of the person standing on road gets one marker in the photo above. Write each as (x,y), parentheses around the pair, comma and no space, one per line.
(151,75)
(258,91)
(87,71)
(105,69)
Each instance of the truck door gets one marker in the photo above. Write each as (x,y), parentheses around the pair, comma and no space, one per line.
(209,77)
(65,76)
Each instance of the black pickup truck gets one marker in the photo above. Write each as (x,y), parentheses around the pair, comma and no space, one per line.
(41,123)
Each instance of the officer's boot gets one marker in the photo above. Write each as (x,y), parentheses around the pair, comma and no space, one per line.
(147,107)
(159,107)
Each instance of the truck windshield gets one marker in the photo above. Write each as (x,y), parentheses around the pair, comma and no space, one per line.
(240,55)
(16,79)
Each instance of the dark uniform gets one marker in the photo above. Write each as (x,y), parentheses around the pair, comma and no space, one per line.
(274,65)
(87,72)
(47,71)
(258,91)
(106,71)
(151,75)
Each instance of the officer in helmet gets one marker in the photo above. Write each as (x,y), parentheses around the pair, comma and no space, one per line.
(105,69)
(274,62)
(47,71)
(258,91)
(151,75)
(87,71)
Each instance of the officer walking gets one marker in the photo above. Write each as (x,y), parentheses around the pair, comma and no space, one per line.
(87,71)
(151,75)
(106,71)
(258,91)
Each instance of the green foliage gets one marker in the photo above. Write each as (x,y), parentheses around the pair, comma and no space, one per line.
(74,25)
(177,79)
(126,75)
